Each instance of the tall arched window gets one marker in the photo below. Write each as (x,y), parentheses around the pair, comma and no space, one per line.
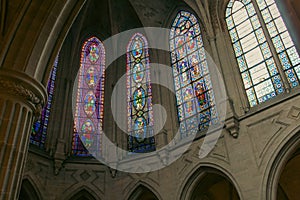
(194,94)
(140,117)
(88,121)
(39,128)
(266,55)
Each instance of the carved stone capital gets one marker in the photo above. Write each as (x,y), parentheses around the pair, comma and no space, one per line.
(212,38)
(59,156)
(24,88)
(232,126)
(113,172)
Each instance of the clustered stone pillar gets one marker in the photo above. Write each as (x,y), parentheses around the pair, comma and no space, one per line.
(21,99)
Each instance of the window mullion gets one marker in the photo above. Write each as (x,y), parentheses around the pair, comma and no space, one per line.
(272,48)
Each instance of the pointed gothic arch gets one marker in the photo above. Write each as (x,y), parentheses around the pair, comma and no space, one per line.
(282,181)
(209,183)
(142,192)
(82,190)
(29,191)
(83,195)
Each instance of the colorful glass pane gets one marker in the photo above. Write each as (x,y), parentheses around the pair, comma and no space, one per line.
(138,72)
(252,52)
(39,129)
(89,104)
(140,117)
(191,75)
(91,77)
(88,119)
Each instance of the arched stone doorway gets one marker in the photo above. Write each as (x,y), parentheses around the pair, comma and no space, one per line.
(142,193)
(209,184)
(28,191)
(82,195)
(289,181)
(214,186)
(283,180)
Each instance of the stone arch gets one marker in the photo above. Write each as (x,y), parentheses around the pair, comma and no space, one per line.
(83,191)
(286,159)
(29,190)
(36,54)
(203,181)
(48,48)
(83,195)
(142,188)
(220,11)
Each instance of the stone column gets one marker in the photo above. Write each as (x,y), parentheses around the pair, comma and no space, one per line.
(21,99)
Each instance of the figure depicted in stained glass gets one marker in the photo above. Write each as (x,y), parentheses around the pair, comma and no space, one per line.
(185,78)
(191,42)
(88,119)
(140,129)
(91,77)
(181,47)
(140,122)
(182,66)
(199,92)
(204,119)
(138,72)
(89,103)
(189,67)
(139,99)
(187,97)
(137,48)
(195,70)
(87,131)
(94,53)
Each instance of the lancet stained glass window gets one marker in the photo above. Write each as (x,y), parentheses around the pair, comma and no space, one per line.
(194,93)
(140,116)
(88,121)
(39,128)
(260,74)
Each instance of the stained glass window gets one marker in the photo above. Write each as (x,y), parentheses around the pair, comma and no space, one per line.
(39,128)
(140,116)
(88,118)
(258,68)
(194,93)
(281,40)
